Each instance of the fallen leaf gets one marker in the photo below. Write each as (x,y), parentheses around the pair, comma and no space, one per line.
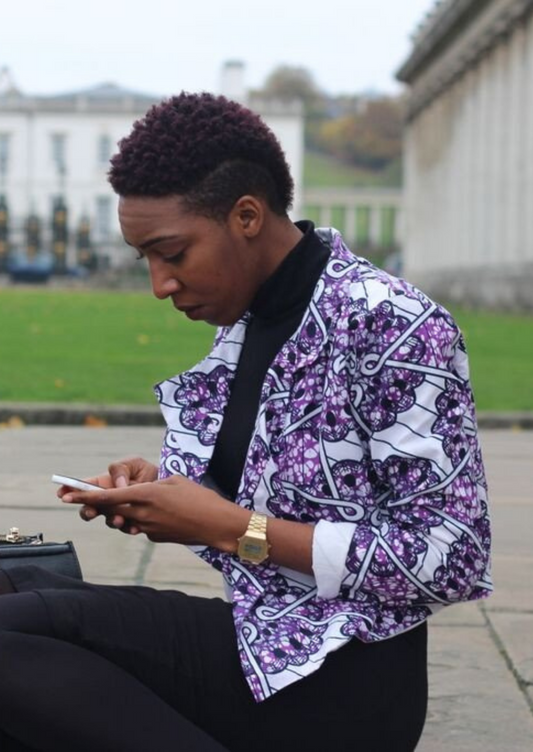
(13,422)
(93,421)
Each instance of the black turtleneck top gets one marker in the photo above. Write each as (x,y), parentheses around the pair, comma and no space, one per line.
(277,310)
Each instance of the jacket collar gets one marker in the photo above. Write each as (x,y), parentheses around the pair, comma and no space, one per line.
(193,402)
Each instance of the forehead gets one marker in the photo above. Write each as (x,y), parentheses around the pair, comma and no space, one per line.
(141,217)
(164,208)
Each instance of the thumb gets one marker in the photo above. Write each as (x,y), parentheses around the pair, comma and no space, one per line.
(120,473)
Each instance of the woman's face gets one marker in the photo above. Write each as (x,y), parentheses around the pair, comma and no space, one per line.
(209,269)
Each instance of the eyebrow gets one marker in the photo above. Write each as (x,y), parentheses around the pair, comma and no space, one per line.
(149,243)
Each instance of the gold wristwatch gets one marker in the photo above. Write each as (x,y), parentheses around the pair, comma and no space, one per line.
(253,545)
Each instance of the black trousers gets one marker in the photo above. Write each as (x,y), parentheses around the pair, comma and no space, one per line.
(97,668)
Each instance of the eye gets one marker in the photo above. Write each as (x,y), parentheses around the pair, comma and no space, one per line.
(175,258)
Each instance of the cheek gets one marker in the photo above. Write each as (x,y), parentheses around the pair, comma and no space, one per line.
(227,279)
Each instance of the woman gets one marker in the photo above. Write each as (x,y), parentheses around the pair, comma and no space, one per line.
(323,457)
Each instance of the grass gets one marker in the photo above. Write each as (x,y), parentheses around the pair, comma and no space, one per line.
(321,171)
(111,347)
(501,358)
(108,347)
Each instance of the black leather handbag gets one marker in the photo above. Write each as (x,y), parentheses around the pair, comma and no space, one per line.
(18,550)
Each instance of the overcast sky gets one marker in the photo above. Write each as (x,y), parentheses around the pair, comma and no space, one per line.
(163,46)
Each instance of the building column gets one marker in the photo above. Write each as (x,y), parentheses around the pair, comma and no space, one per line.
(325,216)
(501,115)
(485,146)
(374,225)
(515,164)
(350,230)
(527,114)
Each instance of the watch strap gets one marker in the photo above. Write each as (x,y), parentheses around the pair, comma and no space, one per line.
(257,524)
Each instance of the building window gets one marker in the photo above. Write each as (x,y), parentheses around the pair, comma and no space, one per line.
(104,210)
(58,142)
(4,153)
(104,149)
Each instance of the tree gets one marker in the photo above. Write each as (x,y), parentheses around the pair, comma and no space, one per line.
(288,82)
(371,138)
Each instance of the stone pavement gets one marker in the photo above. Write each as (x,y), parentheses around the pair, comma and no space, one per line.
(481,655)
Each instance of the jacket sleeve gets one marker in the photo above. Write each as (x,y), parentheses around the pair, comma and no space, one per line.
(425,537)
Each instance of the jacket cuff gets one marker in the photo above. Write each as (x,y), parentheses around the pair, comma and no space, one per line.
(331,543)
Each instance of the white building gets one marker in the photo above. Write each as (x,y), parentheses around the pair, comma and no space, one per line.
(469,153)
(61,144)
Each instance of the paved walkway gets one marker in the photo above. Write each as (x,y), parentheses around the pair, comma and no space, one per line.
(481,656)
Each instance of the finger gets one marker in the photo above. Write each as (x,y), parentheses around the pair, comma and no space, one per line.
(137,470)
(104,481)
(63,490)
(120,474)
(110,496)
(157,538)
(127,471)
(89,513)
(116,522)
(125,518)
(130,529)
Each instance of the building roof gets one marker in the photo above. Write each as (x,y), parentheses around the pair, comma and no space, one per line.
(108,91)
(105,97)
(452,39)
(440,23)
(109,97)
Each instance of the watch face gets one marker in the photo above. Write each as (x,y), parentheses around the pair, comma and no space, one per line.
(253,550)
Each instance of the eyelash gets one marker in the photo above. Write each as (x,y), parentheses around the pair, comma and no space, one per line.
(169,259)
(174,259)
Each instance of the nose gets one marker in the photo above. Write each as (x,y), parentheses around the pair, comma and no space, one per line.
(161,276)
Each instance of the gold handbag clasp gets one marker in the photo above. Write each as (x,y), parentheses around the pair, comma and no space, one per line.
(14,536)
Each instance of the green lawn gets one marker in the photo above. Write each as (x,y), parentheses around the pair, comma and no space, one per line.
(92,346)
(500,347)
(321,171)
(111,347)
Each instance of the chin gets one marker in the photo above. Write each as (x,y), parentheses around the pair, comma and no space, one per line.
(225,320)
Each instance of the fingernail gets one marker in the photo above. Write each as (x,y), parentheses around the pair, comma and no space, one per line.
(67,498)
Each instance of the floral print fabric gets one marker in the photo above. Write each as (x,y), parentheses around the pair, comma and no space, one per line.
(366,429)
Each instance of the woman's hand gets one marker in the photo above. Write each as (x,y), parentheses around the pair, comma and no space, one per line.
(180,511)
(176,510)
(126,472)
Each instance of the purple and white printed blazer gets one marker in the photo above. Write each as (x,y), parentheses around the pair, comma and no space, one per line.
(366,429)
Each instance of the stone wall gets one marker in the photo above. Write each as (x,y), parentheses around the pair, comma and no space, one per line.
(469,154)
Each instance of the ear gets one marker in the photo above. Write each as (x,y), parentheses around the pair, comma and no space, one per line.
(248,215)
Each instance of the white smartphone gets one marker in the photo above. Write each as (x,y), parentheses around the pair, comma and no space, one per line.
(81,485)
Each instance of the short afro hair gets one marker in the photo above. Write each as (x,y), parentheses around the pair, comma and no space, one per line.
(207,149)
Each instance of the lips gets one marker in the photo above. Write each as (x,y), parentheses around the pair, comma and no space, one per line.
(192,312)
(184,308)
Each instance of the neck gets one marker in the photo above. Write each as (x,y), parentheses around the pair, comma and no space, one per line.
(277,240)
